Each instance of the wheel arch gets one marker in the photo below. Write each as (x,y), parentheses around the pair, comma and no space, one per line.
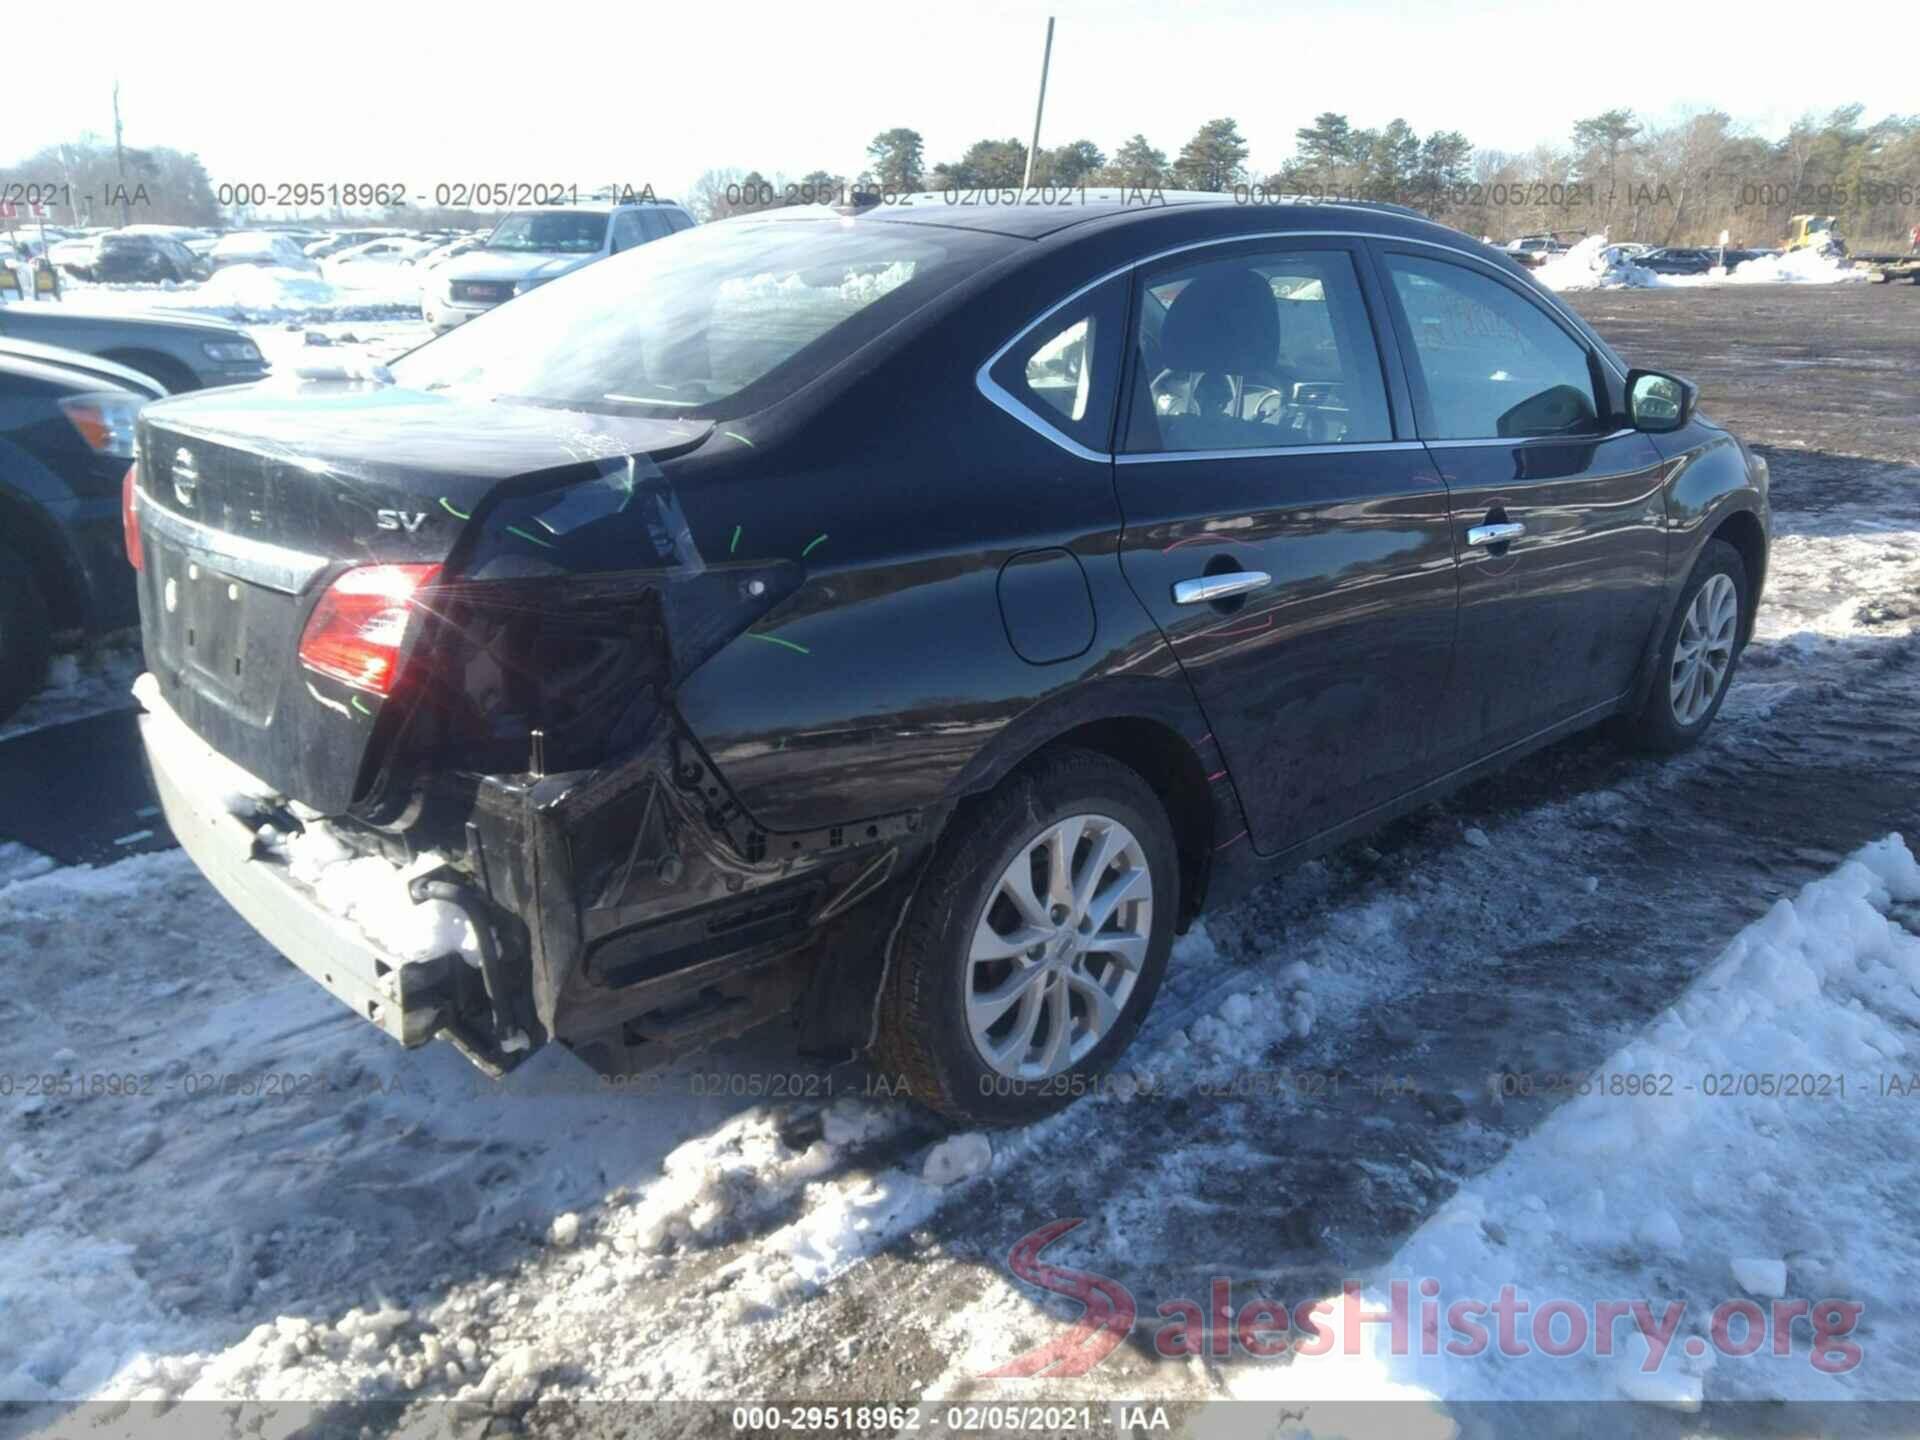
(45,550)
(172,374)
(1154,729)
(1742,530)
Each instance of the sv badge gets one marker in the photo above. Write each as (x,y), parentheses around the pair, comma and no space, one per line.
(407,520)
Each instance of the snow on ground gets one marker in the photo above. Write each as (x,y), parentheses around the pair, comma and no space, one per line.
(1692,1193)
(233,1188)
(1588,265)
(252,294)
(203,1141)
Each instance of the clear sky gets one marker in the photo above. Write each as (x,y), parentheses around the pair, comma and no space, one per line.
(657,93)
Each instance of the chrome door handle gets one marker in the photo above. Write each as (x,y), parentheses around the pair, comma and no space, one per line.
(1496,534)
(1219,587)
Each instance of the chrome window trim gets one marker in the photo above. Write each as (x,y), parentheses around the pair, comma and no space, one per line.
(996,393)
(1531,440)
(273,566)
(1155,457)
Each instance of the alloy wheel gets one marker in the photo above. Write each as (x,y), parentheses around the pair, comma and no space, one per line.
(1703,652)
(1059,947)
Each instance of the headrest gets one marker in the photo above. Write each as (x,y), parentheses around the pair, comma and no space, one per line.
(1223,321)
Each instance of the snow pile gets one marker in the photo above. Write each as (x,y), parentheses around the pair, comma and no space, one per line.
(964,1157)
(748,1173)
(272,292)
(1715,1189)
(1582,267)
(372,893)
(20,862)
(1594,264)
(1797,267)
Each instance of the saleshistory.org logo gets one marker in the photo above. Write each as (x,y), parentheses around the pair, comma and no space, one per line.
(1506,1325)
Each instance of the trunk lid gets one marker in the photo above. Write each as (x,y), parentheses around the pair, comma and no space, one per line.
(253,502)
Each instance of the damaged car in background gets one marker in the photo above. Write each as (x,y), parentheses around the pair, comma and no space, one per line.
(905,618)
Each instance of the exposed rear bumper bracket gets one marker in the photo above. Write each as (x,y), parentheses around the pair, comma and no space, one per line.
(409,999)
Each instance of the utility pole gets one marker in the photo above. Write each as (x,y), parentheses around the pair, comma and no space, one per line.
(1046,58)
(120,158)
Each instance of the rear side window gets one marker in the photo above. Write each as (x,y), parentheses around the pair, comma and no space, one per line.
(1256,351)
(1064,371)
(627,232)
(679,220)
(1491,364)
(653,224)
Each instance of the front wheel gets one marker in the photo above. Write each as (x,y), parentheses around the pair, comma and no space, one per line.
(1034,945)
(1697,654)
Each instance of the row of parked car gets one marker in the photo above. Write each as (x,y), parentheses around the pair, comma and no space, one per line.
(71,385)
(72,381)
(526,248)
(1534,251)
(158,253)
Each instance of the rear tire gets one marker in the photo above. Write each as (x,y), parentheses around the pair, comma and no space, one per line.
(1698,654)
(1002,1003)
(26,634)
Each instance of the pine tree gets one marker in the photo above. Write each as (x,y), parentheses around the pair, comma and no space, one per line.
(1214,159)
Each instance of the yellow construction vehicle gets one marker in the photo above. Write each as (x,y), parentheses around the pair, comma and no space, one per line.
(1812,232)
(1816,232)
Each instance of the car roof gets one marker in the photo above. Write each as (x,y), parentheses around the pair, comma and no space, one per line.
(978,209)
(595,207)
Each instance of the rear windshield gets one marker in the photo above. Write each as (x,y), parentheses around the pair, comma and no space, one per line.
(568,232)
(714,321)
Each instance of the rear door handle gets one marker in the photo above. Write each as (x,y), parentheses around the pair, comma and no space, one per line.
(1496,534)
(1219,587)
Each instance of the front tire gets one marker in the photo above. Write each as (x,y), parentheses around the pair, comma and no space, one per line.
(1034,945)
(1698,654)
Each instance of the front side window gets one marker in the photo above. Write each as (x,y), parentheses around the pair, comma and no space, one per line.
(1256,351)
(562,232)
(692,327)
(1492,364)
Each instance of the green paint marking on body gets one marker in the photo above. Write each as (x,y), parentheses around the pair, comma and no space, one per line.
(741,438)
(532,539)
(810,544)
(735,545)
(354,700)
(776,640)
(457,514)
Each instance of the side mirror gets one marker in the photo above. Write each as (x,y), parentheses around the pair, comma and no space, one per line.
(1658,403)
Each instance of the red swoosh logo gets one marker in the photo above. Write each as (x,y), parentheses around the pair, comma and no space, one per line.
(1097,1334)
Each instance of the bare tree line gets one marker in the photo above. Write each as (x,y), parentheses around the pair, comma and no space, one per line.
(1674,184)
(1679,183)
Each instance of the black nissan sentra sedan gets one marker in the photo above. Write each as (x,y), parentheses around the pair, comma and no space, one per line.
(908,617)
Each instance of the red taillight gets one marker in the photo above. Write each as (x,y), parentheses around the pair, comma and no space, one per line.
(356,630)
(129,515)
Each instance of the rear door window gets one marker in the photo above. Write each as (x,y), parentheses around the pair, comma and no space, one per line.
(1253,351)
(1489,363)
